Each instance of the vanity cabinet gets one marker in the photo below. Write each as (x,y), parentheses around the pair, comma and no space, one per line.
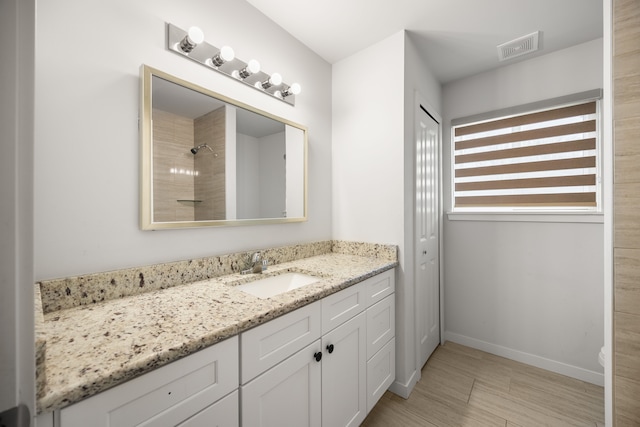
(198,390)
(324,364)
(336,357)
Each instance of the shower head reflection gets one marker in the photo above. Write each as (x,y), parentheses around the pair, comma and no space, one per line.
(195,150)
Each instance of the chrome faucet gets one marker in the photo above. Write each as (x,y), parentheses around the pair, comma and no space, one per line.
(256,264)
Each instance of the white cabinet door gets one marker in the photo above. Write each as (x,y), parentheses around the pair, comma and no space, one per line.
(344,374)
(287,395)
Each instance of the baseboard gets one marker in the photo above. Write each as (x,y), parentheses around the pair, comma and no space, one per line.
(404,390)
(530,359)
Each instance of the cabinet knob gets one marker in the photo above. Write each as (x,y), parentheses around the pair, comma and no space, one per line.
(330,348)
(318,356)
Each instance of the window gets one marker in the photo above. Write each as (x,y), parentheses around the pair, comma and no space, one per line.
(546,160)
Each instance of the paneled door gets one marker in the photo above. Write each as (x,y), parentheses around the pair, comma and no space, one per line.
(427,246)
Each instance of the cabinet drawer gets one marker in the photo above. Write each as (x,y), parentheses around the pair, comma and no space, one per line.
(163,397)
(339,307)
(224,413)
(380,286)
(381,324)
(381,372)
(266,345)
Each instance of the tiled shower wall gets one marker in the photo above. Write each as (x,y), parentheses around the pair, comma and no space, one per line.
(173,167)
(210,182)
(626,123)
(188,187)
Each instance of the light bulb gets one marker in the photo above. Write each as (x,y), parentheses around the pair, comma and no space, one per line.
(252,67)
(196,35)
(192,39)
(226,54)
(294,89)
(274,80)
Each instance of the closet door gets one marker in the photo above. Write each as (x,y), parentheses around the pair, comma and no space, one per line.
(427,229)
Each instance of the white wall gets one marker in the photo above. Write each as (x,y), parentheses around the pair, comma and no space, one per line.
(231,166)
(532,291)
(272,175)
(368,164)
(248,173)
(372,160)
(419,83)
(17,370)
(368,124)
(295,178)
(86,140)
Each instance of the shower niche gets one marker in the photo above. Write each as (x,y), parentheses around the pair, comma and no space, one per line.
(208,160)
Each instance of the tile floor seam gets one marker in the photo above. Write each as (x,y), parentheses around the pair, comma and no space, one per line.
(471,391)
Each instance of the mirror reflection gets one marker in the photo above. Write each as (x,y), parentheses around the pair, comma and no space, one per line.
(208,160)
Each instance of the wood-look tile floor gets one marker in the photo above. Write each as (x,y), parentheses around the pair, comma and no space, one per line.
(461,386)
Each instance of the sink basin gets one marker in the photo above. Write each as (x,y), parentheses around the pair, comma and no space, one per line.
(275,285)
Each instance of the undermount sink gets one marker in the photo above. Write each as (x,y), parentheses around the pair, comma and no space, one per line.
(275,285)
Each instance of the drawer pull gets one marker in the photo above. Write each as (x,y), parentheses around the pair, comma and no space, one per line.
(318,356)
(330,348)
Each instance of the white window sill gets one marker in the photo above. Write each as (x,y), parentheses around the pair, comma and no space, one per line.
(590,217)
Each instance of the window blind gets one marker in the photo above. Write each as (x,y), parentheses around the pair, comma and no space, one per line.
(540,159)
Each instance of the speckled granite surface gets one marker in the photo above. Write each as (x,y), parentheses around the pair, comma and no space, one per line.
(41,343)
(89,347)
(59,294)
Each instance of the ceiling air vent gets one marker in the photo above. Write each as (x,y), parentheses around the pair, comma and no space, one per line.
(518,47)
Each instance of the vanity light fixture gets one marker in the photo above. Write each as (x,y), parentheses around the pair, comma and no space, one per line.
(225,55)
(190,44)
(193,38)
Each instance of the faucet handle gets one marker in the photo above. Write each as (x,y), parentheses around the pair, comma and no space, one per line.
(256,257)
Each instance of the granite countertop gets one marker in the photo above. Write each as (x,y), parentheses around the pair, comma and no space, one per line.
(90,348)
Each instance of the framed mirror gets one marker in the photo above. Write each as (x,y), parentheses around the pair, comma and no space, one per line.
(208,160)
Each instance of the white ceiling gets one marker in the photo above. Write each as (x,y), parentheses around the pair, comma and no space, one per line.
(458,38)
